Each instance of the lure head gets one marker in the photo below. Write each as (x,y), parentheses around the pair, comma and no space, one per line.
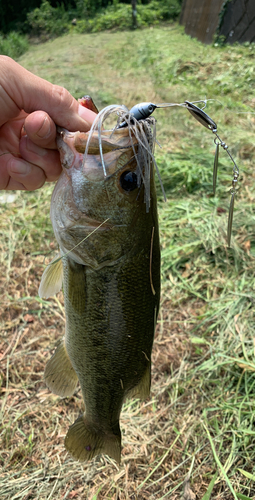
(140,111)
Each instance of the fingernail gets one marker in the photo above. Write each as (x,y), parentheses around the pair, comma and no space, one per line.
(82,112)
(23,131)
(45,130)
(87,115)
(20,167)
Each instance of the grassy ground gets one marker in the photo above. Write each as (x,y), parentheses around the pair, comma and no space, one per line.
(195,437)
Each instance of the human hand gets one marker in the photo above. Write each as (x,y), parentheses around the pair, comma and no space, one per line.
(30,108)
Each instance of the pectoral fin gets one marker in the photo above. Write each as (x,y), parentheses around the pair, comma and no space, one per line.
(59,374)
(84,442)
(52,279)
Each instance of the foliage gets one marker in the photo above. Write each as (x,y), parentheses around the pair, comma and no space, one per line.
(92,17)
(89,8)
(48,20)
(24,15)
(13,14)
(13,44)
(113,17)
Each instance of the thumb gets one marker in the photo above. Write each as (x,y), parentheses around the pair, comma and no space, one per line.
(20,89)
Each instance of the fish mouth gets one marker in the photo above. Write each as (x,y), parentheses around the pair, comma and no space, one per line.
(96,225)
(89,224)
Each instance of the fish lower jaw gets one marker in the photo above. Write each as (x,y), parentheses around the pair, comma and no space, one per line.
(87,260)
(79,223)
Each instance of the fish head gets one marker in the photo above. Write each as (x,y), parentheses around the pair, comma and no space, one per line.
(98,211)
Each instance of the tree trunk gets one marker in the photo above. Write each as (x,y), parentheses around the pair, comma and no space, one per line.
(134,14)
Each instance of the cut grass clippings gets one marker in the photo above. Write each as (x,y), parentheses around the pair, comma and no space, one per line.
(196,435)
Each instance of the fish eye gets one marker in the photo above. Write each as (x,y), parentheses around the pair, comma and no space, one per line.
(150,108)
(128,180)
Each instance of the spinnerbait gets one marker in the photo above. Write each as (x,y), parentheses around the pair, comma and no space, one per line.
(143,110)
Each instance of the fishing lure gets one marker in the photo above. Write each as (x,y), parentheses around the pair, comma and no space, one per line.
(143,110)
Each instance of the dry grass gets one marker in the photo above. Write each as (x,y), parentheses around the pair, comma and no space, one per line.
(158,448)
(195,437)
(34,422)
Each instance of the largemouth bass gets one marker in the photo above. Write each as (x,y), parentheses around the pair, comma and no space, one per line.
(104,216)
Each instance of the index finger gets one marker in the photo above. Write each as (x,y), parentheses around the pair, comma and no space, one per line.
(20,89)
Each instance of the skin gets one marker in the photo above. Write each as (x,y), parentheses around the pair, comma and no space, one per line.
(30,110)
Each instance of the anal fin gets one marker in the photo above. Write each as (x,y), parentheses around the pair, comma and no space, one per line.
(59,374)
(142,389)
(84,442)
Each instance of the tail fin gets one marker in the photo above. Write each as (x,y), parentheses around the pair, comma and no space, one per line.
(83,441)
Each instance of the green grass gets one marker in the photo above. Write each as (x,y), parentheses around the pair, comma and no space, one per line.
(13,44)
(199,425)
